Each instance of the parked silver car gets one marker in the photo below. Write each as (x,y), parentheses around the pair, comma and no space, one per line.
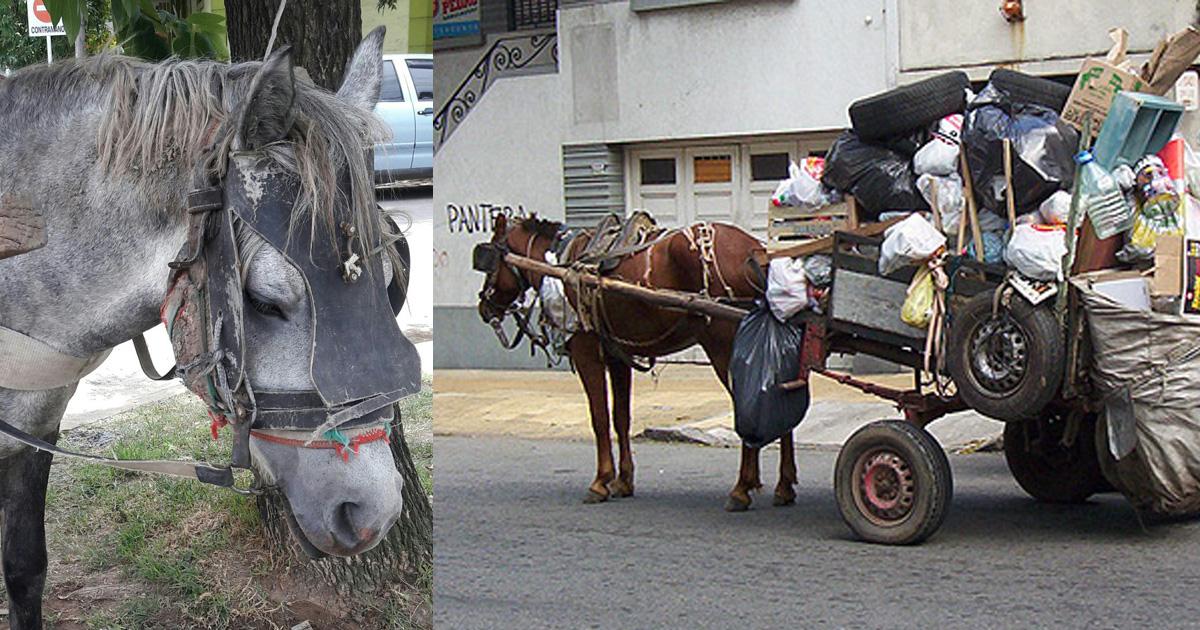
(406,104)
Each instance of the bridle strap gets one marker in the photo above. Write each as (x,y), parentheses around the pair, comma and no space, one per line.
(147,363)
(221,476)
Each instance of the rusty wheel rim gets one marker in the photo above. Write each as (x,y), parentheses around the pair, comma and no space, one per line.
(884,487)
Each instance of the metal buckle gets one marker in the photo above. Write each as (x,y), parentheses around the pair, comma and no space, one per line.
(256,487)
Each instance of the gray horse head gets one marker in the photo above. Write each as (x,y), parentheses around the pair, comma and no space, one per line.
(120,217)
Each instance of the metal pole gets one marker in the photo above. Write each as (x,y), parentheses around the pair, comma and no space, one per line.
(49,52)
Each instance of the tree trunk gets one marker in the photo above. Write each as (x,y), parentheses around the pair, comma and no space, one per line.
(81,37)
(322,33)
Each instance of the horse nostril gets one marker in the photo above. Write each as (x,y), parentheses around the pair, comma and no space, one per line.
(348,527)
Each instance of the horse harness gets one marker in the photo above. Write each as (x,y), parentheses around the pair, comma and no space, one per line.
(608,244)
(353,312)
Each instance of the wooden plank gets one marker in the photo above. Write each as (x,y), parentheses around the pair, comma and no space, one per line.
(872,302)
(22,228)
(972,212)
(1010,196)
(825,243)
(691,302)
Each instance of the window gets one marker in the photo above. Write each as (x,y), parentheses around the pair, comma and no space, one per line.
(390,90)
(530,14)
(422,76)
(658,171)
(713,169)
(769,167)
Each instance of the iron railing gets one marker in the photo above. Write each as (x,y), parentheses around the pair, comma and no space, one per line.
(523,54)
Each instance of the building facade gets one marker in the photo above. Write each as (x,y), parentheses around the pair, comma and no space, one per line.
(691,109)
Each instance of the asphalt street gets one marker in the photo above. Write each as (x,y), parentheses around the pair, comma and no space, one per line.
(516,548)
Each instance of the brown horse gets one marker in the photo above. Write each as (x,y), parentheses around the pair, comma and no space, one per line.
(701,258)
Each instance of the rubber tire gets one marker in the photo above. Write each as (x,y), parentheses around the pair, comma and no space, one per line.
(1046,356)
(899,111)
(1026,88)
(934,482)
(1056,483)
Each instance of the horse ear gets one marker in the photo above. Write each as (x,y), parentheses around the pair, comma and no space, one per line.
(499,225)
(269,108)
(364,73)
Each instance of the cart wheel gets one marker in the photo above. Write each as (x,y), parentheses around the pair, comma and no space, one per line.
(1007,366)
(892,482)
(1046,469)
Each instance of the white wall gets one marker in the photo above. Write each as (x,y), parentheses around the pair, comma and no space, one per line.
(942,33)
(507,153)
(723,69)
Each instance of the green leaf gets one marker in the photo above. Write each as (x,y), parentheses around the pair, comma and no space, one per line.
(69,12)
(207,22)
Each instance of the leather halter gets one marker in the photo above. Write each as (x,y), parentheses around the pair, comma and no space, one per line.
(520,314)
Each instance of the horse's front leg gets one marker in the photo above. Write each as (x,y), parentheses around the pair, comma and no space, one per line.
(24,474)
(747,482)
(785,492)
(24,481)
(589,363)
(621,376)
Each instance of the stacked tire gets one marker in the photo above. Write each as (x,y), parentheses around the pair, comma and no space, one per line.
(898,112)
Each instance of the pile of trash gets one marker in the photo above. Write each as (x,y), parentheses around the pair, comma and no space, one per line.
(1089,183)
(996,170)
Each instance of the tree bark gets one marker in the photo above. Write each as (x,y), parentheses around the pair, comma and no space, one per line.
(81,36)
(322,33)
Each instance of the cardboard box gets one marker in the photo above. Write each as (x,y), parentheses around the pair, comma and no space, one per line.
(1168,267)
(1095,87)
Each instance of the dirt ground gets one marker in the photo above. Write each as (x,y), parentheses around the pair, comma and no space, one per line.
(552,405)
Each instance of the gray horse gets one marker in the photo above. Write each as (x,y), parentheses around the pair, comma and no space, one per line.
(107,149)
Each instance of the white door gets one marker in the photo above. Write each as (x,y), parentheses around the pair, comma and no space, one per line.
(712,176)
(656,178)
(766,164)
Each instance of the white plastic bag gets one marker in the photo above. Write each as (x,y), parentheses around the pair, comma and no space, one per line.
(950,199)
(910,240)
(555,305)
(803,186)
(1056,209)
(1036,251)
(939,156)
(787,288)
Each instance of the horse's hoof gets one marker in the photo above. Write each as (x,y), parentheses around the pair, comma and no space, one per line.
(620,490)
(781,501)
(593,497)
(734,504)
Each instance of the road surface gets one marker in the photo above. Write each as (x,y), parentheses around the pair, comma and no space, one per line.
(516,548)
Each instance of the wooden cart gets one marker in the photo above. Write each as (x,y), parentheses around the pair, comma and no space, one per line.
(892,479)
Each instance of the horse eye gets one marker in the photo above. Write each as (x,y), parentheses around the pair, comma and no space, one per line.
(264,308)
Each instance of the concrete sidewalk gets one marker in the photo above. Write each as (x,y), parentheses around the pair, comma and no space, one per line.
(682,400)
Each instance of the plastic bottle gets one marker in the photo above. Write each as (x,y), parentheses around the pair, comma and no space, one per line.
(1101,198)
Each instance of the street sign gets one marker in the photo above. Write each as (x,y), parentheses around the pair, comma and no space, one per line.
(39,20)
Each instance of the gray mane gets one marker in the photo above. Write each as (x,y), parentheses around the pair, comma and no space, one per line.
(163,116)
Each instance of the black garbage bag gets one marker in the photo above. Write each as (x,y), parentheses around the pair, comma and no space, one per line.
(1043,150)
(766,354)
(879,178)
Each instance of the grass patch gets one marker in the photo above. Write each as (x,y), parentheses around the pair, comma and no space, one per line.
(184,554)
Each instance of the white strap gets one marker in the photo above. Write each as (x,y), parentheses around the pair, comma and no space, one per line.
(31,365)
